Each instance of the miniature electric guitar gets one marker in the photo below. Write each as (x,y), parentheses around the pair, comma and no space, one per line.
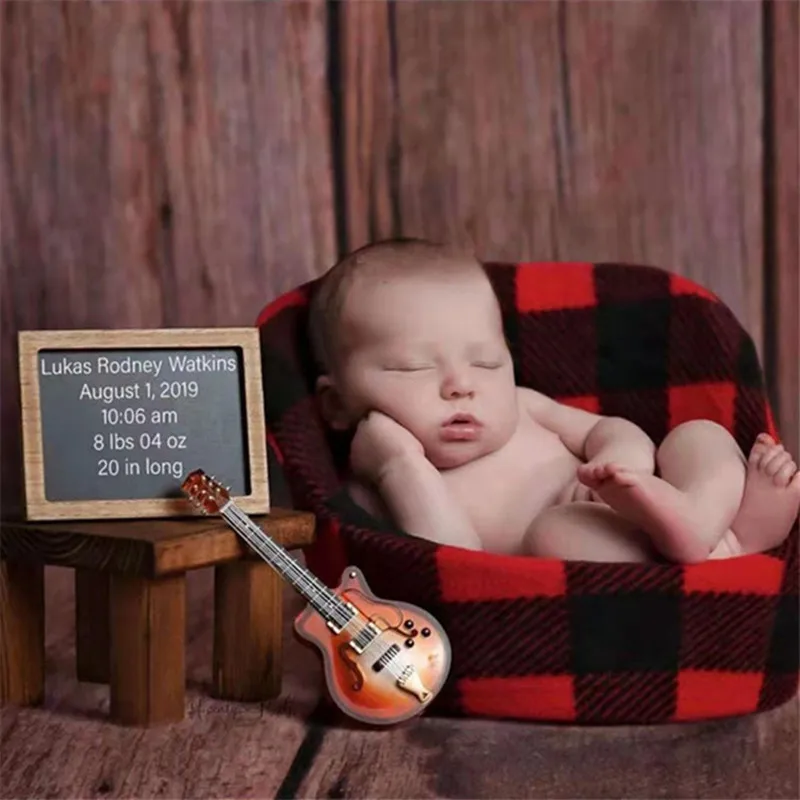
(384,661)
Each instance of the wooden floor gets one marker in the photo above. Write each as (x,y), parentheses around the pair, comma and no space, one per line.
(295,747)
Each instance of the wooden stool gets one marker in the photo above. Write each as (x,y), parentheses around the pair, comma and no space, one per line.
(130,608)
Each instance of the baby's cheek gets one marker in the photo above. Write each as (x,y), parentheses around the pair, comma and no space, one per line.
(369,397)
(408,408)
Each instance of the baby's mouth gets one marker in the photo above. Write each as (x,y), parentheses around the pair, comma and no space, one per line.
(461,428)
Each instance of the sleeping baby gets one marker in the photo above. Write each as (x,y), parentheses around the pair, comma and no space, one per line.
(414,361)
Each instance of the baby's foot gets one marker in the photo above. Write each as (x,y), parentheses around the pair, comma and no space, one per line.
(658,508)
(596,476)
(771,498)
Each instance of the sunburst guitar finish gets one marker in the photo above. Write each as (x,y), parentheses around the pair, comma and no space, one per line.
(387,665)
(385,661)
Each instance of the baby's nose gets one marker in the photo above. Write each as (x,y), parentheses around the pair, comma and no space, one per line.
(457,384)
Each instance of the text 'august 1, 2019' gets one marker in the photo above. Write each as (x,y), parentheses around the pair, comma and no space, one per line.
(129,424)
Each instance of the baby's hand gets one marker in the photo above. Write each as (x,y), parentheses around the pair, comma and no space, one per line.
(379,440)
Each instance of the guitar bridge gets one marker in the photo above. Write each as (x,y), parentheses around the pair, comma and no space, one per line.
(409,681)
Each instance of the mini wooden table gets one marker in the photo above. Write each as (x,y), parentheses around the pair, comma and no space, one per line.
(130,604)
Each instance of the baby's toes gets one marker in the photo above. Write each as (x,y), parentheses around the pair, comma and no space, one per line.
(761,461)
(604,471)
(623,476)
(590,474)
(585,473)
(611,472)
(774,462)
(594,474)
(784,475)
(757,453)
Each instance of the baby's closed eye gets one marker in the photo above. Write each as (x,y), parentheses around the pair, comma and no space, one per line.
(407,367)
(487,364)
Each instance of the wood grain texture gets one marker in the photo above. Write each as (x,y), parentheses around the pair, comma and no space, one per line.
(248,629)
(571,131)
(146,548)
(753,757)
(69,747)
(22,616)
(163,164)
(367,121)
(148,649)
(783,186)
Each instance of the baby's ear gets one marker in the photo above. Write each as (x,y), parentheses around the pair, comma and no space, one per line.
(330,401)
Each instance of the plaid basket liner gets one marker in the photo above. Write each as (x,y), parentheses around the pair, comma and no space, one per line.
(549,640)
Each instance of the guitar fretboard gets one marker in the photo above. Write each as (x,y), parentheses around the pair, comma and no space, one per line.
(331,607)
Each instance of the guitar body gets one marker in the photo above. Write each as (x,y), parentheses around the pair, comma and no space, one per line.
(384,662)
(359,683)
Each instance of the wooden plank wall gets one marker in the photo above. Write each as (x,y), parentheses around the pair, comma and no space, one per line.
(163,164)
(181,163)
(782,199)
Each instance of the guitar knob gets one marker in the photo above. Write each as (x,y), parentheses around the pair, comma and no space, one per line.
(409,642)
(409,623)
(426,631)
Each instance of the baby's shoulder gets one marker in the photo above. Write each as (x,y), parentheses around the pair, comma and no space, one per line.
(532,401)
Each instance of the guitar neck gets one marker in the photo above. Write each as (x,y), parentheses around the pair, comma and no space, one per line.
(325,602)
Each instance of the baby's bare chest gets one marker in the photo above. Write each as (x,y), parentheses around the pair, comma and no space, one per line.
(504,491)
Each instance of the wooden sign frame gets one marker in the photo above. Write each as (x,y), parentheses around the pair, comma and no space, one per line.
(38,507)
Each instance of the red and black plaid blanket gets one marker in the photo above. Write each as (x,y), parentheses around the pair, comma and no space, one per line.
(569,641)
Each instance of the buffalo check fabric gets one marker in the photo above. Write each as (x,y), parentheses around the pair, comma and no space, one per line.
(579,642)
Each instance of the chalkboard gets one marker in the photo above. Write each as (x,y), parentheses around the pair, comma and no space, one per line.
(114,420)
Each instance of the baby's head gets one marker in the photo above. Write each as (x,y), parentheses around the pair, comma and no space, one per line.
(413,329)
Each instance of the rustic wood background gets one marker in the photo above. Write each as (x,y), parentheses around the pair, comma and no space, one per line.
(182,163)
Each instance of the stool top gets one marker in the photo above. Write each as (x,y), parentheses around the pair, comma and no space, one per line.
(146,547)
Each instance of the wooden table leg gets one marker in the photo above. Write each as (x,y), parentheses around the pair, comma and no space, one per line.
(92,645)
(148,649)
(248,619)
(21,633)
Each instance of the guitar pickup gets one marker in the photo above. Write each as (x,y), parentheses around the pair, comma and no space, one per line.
(365,637)
(386,658)
(336,626)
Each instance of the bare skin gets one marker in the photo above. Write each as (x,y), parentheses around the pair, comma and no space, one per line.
(767,510)
(454,452)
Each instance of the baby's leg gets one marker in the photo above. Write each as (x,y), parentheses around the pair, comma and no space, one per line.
(583,531)
(691,506)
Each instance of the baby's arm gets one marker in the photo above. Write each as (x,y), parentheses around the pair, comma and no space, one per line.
(393,461)
(420,503)
(592,437)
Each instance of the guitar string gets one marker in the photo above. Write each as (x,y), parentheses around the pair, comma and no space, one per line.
(352,624)
(310,584)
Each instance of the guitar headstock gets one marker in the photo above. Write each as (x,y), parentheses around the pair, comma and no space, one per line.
(205,491)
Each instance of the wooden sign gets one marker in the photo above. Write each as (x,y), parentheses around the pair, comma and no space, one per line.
(112,420)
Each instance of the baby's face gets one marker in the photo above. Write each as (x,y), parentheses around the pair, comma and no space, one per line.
(431,355)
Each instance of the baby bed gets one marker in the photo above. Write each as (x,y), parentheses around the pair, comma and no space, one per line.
(542,639)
